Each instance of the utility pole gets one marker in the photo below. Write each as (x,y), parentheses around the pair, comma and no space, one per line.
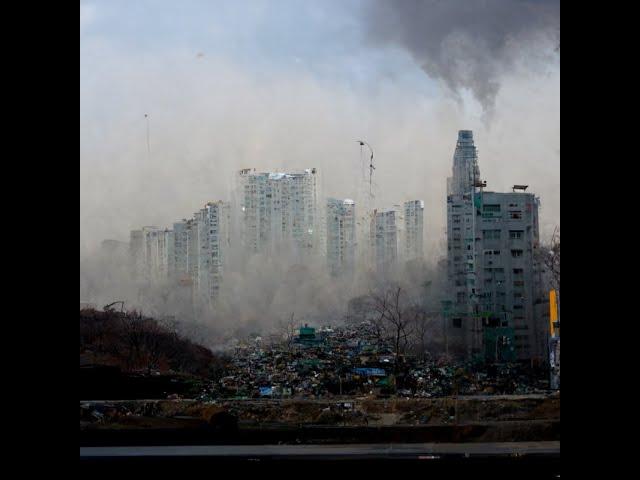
(366,206)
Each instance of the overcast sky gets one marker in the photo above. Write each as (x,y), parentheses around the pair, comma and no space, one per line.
(292,84)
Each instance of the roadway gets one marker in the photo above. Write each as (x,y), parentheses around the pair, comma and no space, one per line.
(422,451)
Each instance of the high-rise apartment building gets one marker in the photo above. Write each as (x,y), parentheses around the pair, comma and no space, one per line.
(413,231)
(181,233)
(384,240)
(508,289)
(204,243)
(213,239)
(280,211)
(152,254)
(461,244)
(341,236)
(492,270)
(191,255)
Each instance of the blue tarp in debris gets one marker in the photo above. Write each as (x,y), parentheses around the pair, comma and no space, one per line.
(265,391)
(370,372)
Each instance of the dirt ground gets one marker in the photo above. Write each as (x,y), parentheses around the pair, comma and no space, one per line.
(371,412)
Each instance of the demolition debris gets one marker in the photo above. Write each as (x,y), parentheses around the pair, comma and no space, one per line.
(352,361)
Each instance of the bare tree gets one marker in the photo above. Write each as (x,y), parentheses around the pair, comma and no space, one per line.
(154,343)
(423,329)
(144,341)
(395,320)
(288,330)
(553,262)
(549,255)
(132,330)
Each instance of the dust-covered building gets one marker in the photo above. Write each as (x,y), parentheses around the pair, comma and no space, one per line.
(341,236)
(492,239)
(279,212)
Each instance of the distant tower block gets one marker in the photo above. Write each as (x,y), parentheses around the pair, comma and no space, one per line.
(384,240)
(341,236)
(279,210)
(413,232)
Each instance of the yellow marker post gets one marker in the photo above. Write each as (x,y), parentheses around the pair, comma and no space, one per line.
(553,306)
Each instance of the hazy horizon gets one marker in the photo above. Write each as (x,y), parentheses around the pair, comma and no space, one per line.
(288,85)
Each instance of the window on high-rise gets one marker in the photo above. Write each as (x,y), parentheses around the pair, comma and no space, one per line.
(491,234)
(491,208)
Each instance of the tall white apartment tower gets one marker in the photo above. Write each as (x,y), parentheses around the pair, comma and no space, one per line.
(181,250)
(152,250)
(413,231)
(280,212)
(384,240)
(190,258)
(341,236)
(209,237)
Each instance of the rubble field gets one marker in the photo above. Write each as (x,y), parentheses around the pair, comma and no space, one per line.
(352,360)
(340,385)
